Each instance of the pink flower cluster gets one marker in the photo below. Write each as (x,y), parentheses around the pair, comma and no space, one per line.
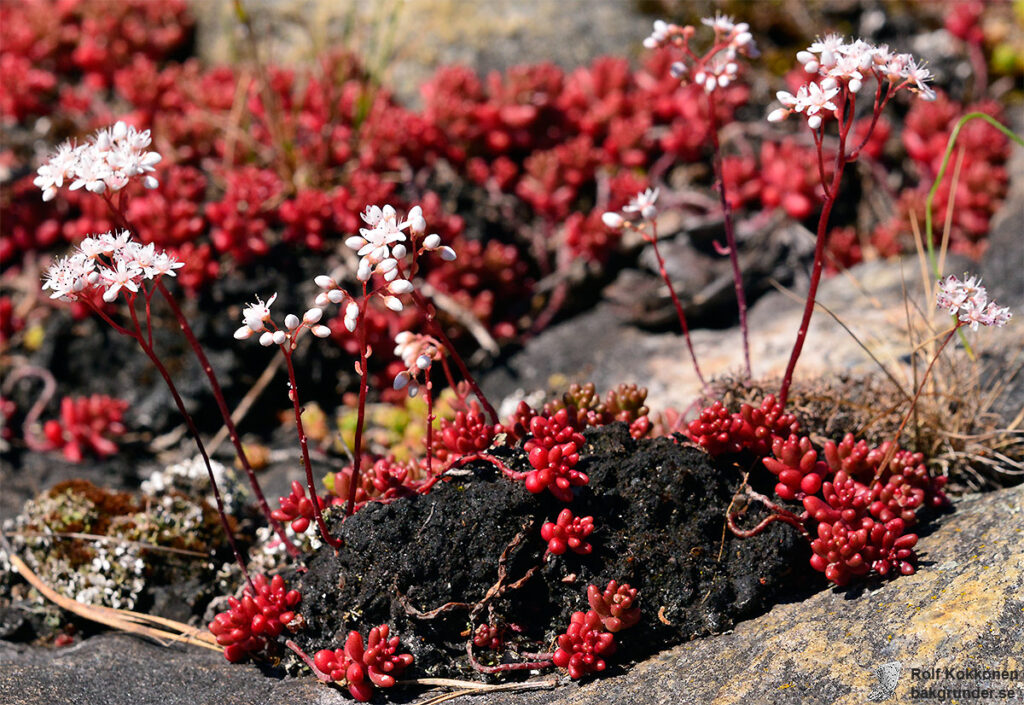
(968,301)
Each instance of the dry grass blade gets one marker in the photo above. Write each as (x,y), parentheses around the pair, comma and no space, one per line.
(472,687)
(127,621)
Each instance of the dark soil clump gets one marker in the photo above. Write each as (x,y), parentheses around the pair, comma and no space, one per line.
(659,507)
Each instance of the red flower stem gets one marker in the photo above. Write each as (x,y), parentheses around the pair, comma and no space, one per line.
(429,393)
(364,381)
(819,253)
(730,236)
(293,394)
(653,239)
(505,667)
(428,308)
(321,676)
(151,354)
(218,395)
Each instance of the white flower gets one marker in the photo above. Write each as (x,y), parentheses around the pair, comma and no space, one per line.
(124,275)
(659,35)
(164,263)
(256,315)
(719,23)
(828,49)
(643,203)
(917,78)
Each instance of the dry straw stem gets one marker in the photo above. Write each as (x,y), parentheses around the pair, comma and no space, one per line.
(473,688)
(125,620)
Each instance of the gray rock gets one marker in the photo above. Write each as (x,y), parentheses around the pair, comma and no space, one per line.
(964,608)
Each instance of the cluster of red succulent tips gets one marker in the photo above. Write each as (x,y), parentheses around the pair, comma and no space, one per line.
(489,636)
(87,424)
(591,635)
(296,508)
(586,407)
(858,500)
(252,625)
(359,668)
(754,429)
(553,452)
(568,532)
(468,432)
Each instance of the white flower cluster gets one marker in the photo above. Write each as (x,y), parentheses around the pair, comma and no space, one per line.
(642,203)
(381,248)
(968,301)
(718,68)
(418,353)
(256,319)
(840,64)
(106,162)
(111,261)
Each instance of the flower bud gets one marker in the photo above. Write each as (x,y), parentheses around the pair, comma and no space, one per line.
(243,333)
(321,299)
(401,380)
(320,331)
(432,242)
(398,251)
(778,115)
(416,222)
(400,286)
(267,339)
(447,254)
(364,271)
(612,220)
(325,282)
(312,316)
(279,337)
(291,321)
(393,303)
(423,362)
(814,122)
(335,296)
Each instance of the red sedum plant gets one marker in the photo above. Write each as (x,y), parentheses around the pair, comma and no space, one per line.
(553,453)
(581,650)
(253,623)
(362,668)
(568,532)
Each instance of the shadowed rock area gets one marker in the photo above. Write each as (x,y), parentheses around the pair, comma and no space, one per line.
(963,609)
